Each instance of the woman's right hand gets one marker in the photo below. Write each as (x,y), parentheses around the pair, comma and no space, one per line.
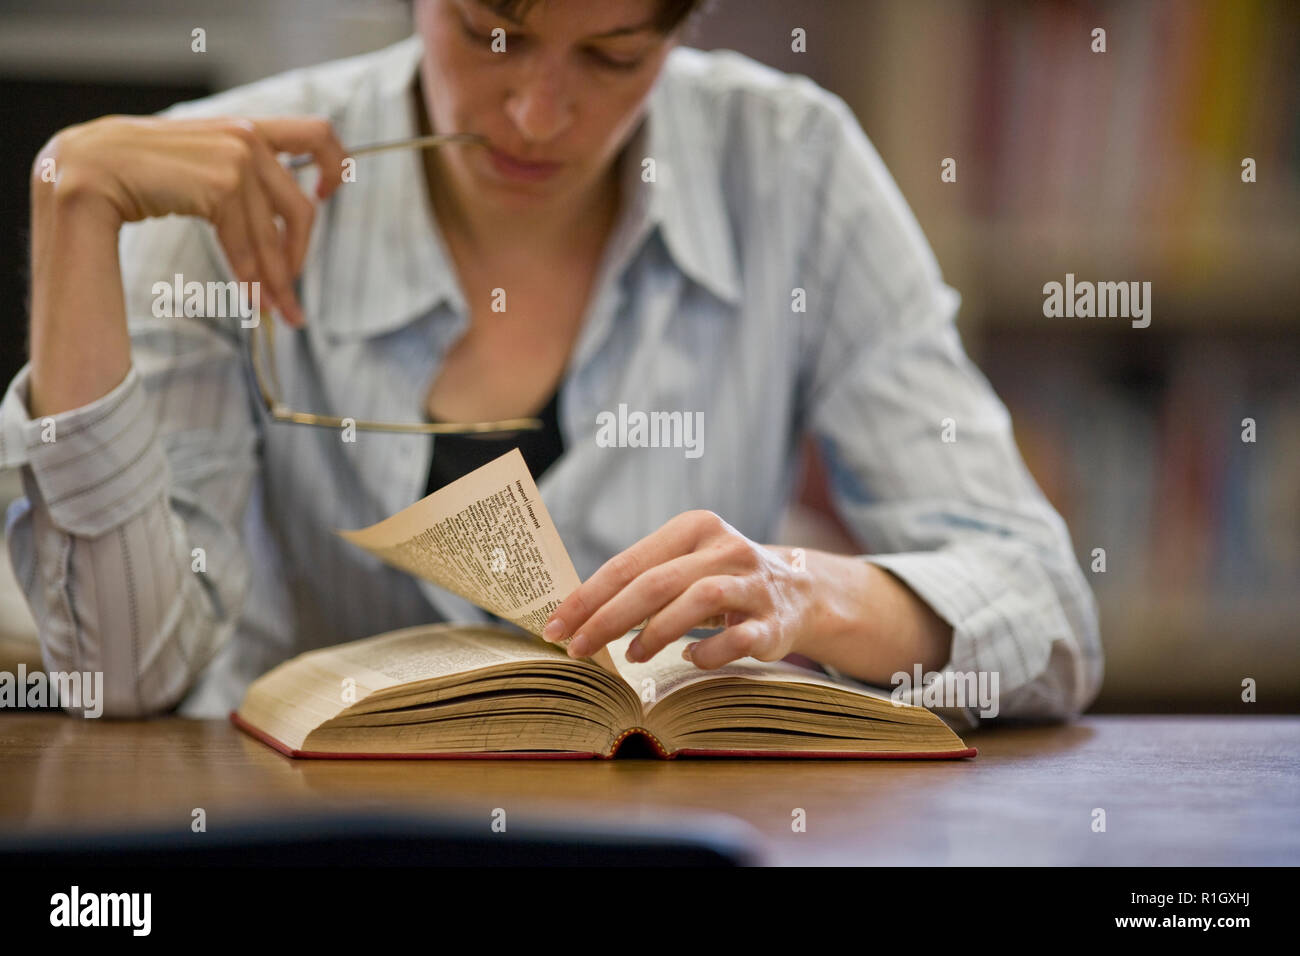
(90,179)
(119,169)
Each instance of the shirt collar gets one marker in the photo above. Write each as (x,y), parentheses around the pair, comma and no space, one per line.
(686,200)
(384,262)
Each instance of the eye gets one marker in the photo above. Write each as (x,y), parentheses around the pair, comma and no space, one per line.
(612,62)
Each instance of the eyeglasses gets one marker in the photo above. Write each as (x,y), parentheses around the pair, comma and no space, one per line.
(263,339)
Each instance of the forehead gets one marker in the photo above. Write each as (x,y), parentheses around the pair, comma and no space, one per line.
(579,17)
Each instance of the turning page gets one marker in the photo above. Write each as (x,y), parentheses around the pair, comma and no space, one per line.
(488,538)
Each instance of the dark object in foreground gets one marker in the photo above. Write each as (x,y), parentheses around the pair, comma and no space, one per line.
(397,839)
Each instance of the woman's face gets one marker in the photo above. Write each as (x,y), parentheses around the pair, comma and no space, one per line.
(556,106)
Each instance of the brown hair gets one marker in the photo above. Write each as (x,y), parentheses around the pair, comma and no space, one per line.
(671,12)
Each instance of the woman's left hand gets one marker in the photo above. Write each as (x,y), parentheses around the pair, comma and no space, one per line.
(693,568)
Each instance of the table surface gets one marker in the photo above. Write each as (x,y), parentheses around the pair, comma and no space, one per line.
(1181,790)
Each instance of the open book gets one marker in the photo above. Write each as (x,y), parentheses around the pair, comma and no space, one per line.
(449,690)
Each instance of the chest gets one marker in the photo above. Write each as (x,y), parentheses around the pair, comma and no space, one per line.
(522,329)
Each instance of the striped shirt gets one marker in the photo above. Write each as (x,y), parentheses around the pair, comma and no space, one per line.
(769,276)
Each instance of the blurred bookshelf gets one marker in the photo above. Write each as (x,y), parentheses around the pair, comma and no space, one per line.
(1139,446)
(1126,166)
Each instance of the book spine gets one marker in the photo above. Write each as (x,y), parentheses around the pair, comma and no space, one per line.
(654,742)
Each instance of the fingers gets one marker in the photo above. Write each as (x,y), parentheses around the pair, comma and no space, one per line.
(289,203)
(706,597)
(308,134)
(236,239)
(272,262)
(262,233)
(749,638)
(679,536)
(644,597)
(221,169)
(257,191)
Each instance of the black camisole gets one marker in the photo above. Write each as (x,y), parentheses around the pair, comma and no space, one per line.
(455,456)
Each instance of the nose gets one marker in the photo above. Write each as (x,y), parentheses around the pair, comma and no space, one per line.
(539,106)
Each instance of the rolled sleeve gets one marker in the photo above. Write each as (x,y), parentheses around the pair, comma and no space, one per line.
(1011,614)
(128,544)
(922,460)
(963,524)
(96,466)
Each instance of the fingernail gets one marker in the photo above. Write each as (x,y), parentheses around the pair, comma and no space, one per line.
(633,654)
(553,631)
(686,651)
(578,647)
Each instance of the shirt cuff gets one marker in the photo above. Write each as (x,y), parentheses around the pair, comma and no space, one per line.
(953,583)
(94,466)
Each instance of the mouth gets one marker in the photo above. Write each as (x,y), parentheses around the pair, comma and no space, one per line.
(520,170)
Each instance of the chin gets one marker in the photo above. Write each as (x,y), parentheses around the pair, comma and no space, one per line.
(508,196)
(523,193)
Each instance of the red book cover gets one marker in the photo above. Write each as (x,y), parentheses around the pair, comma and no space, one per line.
(533,755)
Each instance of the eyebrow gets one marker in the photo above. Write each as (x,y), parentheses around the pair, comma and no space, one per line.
(624,31)
(618,32)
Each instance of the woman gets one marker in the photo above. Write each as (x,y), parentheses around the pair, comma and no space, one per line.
(646,227)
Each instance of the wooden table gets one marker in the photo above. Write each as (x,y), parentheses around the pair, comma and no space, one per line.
(1176,790)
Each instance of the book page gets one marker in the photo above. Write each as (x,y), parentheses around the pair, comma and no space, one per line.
(487,537)
(667,671)
(293,700)
(418,653)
